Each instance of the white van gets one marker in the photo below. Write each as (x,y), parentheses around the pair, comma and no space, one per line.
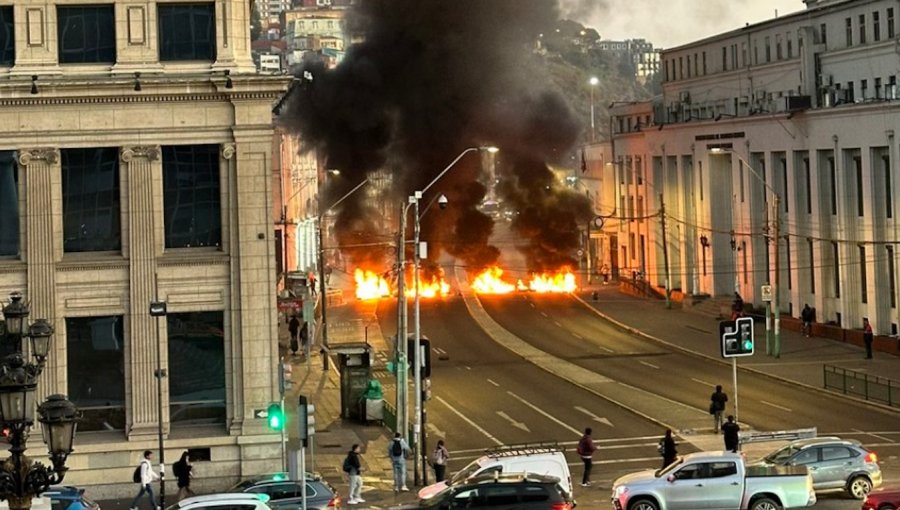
(541,460)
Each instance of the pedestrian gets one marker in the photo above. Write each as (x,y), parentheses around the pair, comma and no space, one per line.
(667,449)
(183,471)
(806,315)
(398,450)
(605,272)
(145,475)
(730,431)
(439,459)
(304,338)
(868,337)
(353,468)
(294,328)
(586,451)
(717,407)
(737,308)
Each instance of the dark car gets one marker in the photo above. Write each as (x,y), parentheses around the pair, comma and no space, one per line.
(65,497)
(285,494)
(509,491)
(883,500)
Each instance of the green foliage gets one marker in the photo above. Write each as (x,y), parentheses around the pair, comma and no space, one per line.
(255,22)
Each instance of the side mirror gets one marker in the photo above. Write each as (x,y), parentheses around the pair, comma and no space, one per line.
(670,478)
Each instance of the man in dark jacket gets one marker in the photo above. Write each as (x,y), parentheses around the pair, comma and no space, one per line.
(586,451)
(806,315)
(730,431)
(717,407)
(294,329)
(353,468)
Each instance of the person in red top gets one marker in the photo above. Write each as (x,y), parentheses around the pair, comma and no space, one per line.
(586,450)
(868,337)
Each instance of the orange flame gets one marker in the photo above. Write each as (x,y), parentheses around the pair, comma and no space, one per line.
(490,281)
(561,281)
(437,286)
(370,285)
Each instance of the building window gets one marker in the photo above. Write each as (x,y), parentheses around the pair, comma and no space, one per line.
(848,23)
(890,22)
(741,179)
(860,206)
(864,89)
(9,205)
(787,259)
(877,88)
(876,27)
(680,68)
(688,66)
(768,50)
(836,269)
(696,65)
(700,175)
(862,29)
(863,284)
(187,32)
(704,63)
(782,162)
(892,282)
(778,54)
(95,366)
(790,47)
(888,194)
(755,54)
(812,266)
(86,34)
(823,33)
(90,193)
(632,244)
(851,96)
(724,58)
(833,177)
(191,196)
(743,260)
(7,36)
(196,368)
(808,178)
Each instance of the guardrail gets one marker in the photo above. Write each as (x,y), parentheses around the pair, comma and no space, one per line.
(869,387)
(779,435)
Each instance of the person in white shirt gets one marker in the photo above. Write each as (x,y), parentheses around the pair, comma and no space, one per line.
(147,476)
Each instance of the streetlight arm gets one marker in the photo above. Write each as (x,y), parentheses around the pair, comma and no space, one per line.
(444,171)
(347,195)
(755,174)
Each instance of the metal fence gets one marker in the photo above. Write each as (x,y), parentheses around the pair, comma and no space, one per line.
(860,384)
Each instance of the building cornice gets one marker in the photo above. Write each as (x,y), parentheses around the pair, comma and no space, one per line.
(141,98)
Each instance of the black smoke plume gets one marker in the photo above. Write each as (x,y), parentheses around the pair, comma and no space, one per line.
(430,79)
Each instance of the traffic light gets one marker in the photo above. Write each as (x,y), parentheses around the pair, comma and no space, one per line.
(306,416)
(285,378)
(737,337)
(426,389)
(275,417)
(425,352)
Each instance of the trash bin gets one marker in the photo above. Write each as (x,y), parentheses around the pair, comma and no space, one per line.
(373,402)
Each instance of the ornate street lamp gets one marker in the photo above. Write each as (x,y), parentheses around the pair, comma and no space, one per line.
(21,478)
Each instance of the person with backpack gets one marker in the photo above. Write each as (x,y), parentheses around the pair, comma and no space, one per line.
(717,406)
(439,460)
(183,474)
(144,475)
(731,432)
(398,450)
(667,449)
(353,468)
(586,451)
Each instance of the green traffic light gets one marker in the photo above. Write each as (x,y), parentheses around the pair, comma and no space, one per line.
(275,417)
(748,345)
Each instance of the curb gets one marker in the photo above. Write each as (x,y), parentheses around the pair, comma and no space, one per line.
(755,371)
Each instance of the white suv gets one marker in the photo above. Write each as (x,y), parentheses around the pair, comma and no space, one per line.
(231,501)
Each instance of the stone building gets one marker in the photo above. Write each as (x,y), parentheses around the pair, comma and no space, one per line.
(135,164)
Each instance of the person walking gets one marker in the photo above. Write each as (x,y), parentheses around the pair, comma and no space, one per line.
(717,407)
(398,450)
(145,475)
(439,460)
(183,471)
(353,468)
(667,449)
(806,315)
(868,337)
(730,432)
(586,451)
(294,329)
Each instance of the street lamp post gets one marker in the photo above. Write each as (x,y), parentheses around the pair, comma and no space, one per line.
(158,310)
(21,478)
(776,227)
(593,83)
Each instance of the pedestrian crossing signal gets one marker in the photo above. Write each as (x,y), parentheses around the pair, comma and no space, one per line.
(275,417)
(737,337)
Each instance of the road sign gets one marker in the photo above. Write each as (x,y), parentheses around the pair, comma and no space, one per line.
(260,414)
(737,337)
(766,292)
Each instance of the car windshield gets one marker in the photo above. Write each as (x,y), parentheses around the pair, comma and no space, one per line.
(668,469)
(782,455)
(465,472)
(436,500)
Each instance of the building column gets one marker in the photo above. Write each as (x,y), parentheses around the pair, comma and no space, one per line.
(141,165)
(41,171)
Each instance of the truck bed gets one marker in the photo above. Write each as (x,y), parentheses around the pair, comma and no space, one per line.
(761,470)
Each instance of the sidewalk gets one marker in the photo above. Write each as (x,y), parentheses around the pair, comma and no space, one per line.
(801,362)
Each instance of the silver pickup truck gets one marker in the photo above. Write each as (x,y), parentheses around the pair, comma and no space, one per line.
(715,481)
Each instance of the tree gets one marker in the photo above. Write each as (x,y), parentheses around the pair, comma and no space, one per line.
(255,22)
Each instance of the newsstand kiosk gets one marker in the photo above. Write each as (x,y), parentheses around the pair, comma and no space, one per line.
(355,366)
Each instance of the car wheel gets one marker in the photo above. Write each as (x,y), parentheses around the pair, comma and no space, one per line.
(643,504)
(765,504)
(887,507)
(859,487)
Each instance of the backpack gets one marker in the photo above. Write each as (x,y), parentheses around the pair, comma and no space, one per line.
(438,457)
(347,467)
(584,448)
(136,477)
(397,449)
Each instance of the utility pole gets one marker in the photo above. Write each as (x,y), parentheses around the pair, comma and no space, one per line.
(665,245)
(322,292)
(402,410)
(417,355)
(776,228)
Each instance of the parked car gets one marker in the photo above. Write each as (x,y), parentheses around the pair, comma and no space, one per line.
(286,494)
(833,463)
(882,500)
(230,501)
(541,459)
(509,491)
(66,497)
(717,480)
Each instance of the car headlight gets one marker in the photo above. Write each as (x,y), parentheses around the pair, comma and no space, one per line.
(619,491)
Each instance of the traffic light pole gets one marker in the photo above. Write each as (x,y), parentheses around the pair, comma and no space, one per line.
(775,290)
(734,380)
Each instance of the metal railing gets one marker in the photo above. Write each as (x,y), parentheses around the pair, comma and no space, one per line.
(777,435)
(860,384)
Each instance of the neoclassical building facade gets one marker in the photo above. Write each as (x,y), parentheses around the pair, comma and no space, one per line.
(135,165)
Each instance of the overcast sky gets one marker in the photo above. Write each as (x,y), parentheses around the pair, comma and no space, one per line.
(669,23)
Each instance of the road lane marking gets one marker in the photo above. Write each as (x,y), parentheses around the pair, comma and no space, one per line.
(546,414)
(558,325)
(594,416)
(544,314)
(470,422)
(467,367)
(651,365)
(494,382)
(605,348)
(703,382)
(531,303)
(576,335)
(776,406)
(514,423)
(439,350)
(435,432)
(873,434)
